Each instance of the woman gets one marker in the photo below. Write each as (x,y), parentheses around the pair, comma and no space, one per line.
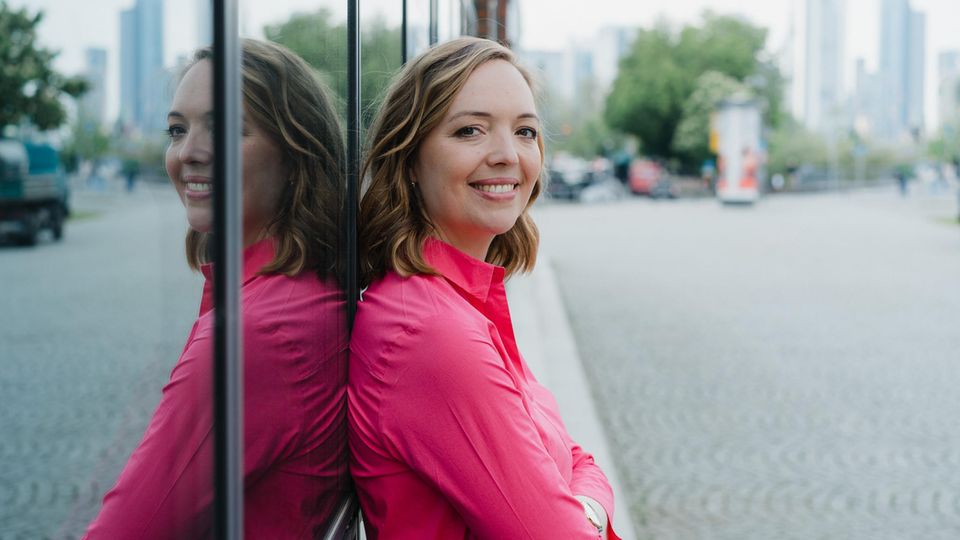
(293,318)
(450,434)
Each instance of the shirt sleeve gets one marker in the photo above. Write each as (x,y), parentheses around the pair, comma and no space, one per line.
(166,488)
(588,479)
(460,422)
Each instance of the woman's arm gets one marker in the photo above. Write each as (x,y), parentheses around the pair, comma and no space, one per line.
(166,488)
(589,483)
(460,422)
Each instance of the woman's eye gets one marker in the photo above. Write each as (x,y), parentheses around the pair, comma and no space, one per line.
(175,132)
(467,131)
(529,133)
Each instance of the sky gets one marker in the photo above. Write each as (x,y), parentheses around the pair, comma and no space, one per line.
(73,25)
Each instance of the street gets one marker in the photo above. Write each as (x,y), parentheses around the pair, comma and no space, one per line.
(89,330)
(781,371)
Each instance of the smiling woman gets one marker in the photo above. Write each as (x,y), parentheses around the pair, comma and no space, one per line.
(451,435)
(294,337)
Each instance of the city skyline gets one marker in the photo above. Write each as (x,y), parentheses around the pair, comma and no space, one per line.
(72,27)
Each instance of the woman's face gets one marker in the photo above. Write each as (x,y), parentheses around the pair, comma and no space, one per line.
(477,168)
(189,159)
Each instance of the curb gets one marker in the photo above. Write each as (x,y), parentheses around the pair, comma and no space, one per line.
(546,341)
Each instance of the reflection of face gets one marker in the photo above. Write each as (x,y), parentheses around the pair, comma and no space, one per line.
(476,169)
(189,159)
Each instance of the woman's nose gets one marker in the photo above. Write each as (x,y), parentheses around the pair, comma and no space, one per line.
(503,150)
(197,147)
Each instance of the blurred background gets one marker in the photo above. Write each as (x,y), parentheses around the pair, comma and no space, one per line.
(752,213)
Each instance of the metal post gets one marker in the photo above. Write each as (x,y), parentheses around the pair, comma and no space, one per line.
(434,22)
(404,54)
(353,155)
(227,258)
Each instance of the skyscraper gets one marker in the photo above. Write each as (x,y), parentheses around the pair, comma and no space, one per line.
(948,91)
(93,103)
(143,81)
(823,88)
(902,49)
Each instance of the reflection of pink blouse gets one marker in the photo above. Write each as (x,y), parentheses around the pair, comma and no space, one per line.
(450,434)
(294,339)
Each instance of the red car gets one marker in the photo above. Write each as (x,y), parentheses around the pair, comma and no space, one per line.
(644,176)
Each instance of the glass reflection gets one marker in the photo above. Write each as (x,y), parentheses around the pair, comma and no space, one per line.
(102,301)
(294,351)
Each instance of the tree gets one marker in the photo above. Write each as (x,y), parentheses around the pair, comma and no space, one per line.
(659,74)
(691,139)
(323,45)
(87,142)
(30,87)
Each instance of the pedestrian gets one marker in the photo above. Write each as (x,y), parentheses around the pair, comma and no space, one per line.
(294,338)
(451,436)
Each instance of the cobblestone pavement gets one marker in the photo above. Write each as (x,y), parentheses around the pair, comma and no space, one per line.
(783,371)
(89,330)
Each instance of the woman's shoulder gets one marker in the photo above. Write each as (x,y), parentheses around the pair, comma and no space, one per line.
(410,302)
(301,310)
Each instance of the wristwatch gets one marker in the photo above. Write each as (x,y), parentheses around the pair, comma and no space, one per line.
(592,517)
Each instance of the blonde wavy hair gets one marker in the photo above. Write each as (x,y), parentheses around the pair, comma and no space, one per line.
(284,98)
(393,221)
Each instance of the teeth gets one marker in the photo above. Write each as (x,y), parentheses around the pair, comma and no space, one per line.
(496,188)
(198,186)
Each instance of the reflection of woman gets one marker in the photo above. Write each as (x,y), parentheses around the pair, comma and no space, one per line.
(293,320)
(450,434)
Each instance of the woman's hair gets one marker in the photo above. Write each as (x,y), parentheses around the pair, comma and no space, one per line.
(285,99)
(393,221)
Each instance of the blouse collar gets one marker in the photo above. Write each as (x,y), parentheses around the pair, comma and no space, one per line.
(255,257)
(473,276)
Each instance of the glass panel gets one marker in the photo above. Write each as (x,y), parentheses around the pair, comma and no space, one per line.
(295,327)
(418,27)
(381,57)
(98,299)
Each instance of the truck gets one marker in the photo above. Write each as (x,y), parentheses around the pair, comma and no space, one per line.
(33,191)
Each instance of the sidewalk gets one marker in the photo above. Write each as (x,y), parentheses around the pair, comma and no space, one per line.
(547,344)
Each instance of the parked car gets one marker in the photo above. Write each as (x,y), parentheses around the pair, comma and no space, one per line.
(644,176)
(33,191)
(568,175)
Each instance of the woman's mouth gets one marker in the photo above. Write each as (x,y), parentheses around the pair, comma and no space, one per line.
(199,186)
(495,188)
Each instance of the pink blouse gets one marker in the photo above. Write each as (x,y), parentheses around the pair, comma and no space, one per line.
(451,436)
(294,339)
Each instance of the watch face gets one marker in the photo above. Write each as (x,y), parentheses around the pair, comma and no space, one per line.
(592,516)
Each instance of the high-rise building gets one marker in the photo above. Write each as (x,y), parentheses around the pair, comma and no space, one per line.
(823,87)
(93,103)
(612,43)
(902,49)
(867,100)
(948,88)
(143,81)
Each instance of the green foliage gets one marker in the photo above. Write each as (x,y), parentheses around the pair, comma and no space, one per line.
(87,142)
(657,77)
(691,140)
(946,146)
(31,89)
(791,145)
(647,96)
(323,45)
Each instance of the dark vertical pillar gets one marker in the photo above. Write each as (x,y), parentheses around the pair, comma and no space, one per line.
(353,155)
(227,257)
